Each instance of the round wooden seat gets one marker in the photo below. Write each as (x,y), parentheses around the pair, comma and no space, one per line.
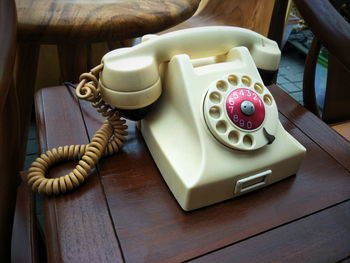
(51,21)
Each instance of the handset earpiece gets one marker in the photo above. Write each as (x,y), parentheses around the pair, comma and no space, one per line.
(131,82)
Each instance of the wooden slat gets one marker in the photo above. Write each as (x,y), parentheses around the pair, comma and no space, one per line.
(73,60)
(26,68)
(24,242)
(321,237)
(152,227)
(277,21)
(309,95)
(77,225)
(328,25)
(336,104)
(10,132)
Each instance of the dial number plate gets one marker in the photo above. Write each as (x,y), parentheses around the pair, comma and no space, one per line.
(234,112)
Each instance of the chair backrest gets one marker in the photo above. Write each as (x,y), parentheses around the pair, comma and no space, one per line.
(263,16)
(266,17)
(9,128)
(332,31)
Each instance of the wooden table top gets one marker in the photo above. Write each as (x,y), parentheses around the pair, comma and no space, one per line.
(125,212)
(102,20)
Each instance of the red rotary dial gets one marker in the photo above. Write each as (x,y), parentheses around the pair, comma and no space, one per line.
(245,109)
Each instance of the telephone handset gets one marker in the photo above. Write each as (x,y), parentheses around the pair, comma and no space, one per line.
(131,79)
(208,120)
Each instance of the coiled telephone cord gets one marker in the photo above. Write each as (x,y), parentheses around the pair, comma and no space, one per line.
(106,141)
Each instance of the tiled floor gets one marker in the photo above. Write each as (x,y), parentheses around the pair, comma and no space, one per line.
(290,78)
(32,146)
(290,74)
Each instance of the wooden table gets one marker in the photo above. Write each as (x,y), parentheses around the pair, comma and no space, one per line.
(125,212)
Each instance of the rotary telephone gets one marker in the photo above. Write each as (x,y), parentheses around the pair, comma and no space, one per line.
(210,123)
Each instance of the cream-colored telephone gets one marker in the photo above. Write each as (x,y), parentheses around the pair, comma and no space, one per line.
(211,126)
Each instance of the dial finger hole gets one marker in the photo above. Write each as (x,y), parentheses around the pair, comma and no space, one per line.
(247,141)
(215,97)
(246,81)
(215,112)
(221,126)
(259,87)
(267,99)
(233,79)
(221,85)
(233,137)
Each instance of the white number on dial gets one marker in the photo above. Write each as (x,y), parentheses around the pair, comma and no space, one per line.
(241,123)
(249,124)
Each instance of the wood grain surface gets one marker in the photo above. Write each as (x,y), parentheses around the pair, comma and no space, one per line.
(318,131)
(82,231)
(9,126)
(24,239)
(138,214)
(252,14)
(79,20)
(152,227)
(321,237)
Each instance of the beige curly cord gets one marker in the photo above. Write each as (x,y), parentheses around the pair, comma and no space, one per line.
(107,140)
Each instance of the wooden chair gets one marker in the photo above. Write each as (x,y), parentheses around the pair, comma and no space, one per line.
(60,207)
(332,31)
(9,123)
(18,229)
(263,16)
(266,17)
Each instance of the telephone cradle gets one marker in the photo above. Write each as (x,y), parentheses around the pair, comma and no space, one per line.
(208,120)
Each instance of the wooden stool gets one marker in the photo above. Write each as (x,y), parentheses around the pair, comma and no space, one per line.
(74,25)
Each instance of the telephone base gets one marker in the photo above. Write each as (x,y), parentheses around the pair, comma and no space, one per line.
(203,166)
(215,181)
